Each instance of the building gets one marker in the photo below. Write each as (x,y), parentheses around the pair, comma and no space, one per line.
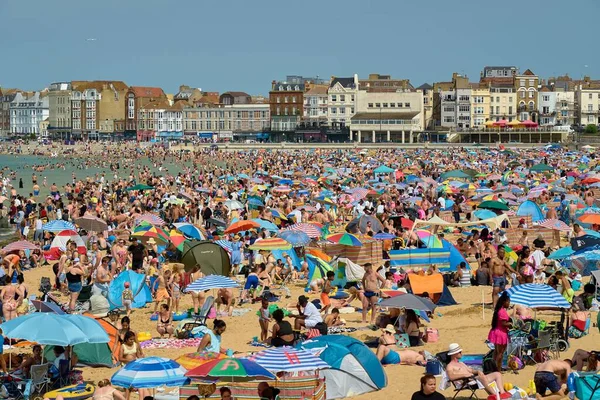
(499,72)
(387,115)
(427,91)
(27,111)
(161,121)
(59,101)
(503,99)
(341,101)
(188,94)
(43,129)
(6,97)
(316,106)
(588,101)
(564,102)
(287,107)
(228,122)
(229,98)
(456,103)
(137,98)
(480,104)
(526,87)
(293,79)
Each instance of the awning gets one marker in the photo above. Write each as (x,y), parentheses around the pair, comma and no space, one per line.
(173,134)
(493,223)
(205,135)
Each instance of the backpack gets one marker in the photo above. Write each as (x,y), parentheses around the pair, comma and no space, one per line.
(45,285)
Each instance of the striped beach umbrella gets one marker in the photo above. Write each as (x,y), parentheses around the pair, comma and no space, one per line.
(190,230)
(310,229)
(288,359)
(226,245)
(211,282)
(271,244)
(151,218)
(20,245)
(347,239)
(232,370)
(296,238)
(150,372)
(534,295)
(146,231)
(192,360)
(58,225)
(555,224)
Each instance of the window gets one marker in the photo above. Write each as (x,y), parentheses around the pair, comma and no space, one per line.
(497,109)
(342,97)
(545,110)
(448,119)
(333,110)
(392,105)
(400,105)
(351,110)
(522,82)
(333,97)
(545,98)
(510,110)
(351,97)
(464,108)
(377,105)
(342,110)
(522,94)
(407,105)
(478,99)
(293,99)
(278,112)
(532,82)
(491,99)
(285,99)
(448,109)
(370,105)
(385,105)
(531,106)
(591,119)
(278,99)
(497,99)
(531,94)
(285,111)
(590,107)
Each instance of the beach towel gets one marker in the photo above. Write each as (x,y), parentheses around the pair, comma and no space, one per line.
(170,343)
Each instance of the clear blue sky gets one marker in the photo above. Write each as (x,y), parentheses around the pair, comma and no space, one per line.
(222,45)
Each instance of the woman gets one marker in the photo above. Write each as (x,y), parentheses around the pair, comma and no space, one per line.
(104,391)
(130,349)
(74,272)
(119,253)
(526,263)
(35,359)
(198,297)
(125,326)
(9,304)
(427,392)
(282,331)
(236,254)
(225,393)
(164,322)
(500,325)
(21,296)
(211,341)
(385,351)
(578,319)
(412,328)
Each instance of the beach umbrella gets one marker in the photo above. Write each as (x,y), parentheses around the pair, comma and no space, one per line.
(54,329)
(20,245)
(346,239)
(264,224)
(62,238)
(534,295)
(177,239)
(384,236)
(255,202)
(192,360)
(324,200)
(590,219)
(242,225)
(150,372)
(362,224)
(91,223)
(409,301)
(561,253)
(430,240)
(485,214)
(211,282)
(296,238)
(271,244)
(232,370)
(151,219)
(191,231)
(288,359)
(541,168)
(554,224)
(139,186)
(493,205)
(282,189)
(383,169)
(316,252)
(58,225)
(234,205)
(145,231)
(226,245)
(455,174)
(278,214)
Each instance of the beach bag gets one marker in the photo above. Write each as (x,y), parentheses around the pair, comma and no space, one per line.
(45,285)
(402,340)
(434,367)
(431,335)
(515,363)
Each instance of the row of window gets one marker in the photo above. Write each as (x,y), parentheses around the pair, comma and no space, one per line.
(285,99)
(388,105)
(238,125)
(342,97)
(340,110)
(385,122)
(25,112)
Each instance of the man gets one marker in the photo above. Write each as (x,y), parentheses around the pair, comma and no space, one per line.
(499,267)
(371,291)
(457,370)
(138,253)
(552,375)
(308,315)
(325,300)
(102,277)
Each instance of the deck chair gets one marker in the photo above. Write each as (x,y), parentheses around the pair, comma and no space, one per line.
(64,369)
(83,300)
(40,379)
(469,385)
(199,319)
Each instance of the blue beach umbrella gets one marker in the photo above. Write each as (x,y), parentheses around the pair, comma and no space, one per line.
(189,230)
(58,225)
(534,295)
(296,238)
(211,282)
(150,372)
(268,225)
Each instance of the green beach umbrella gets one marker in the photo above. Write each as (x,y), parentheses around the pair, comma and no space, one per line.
(139,186)
(493,205)
(541,168)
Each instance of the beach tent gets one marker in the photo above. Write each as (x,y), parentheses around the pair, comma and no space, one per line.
(595,280)
(63,237)
(137,284)
(455,255)
(354,368)
(359,225)
(383,169)
(280,255)
(347,271)
(492,223)
(94,354)
(317,268)
(211,257)
(434,286)
(528,207)
(421,258)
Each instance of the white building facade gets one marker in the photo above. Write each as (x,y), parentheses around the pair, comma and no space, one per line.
(316,106)
(27,113)
(588,100)
(342,100)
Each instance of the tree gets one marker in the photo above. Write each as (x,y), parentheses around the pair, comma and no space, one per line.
(591,128)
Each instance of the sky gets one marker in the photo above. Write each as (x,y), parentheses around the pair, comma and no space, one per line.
(242,45)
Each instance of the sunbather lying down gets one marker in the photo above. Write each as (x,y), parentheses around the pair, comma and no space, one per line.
(403,357)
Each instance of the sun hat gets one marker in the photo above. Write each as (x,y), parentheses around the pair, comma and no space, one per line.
(389,329)
(454,348)
(151,241)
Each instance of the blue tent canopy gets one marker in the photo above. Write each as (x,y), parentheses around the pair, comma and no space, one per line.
(137,284)
(383,169)
(528,207)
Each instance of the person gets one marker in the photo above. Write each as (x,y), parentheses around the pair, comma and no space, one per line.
(198,296)
(333,318)
(236,254)
(482,275)
(581,357)
(428,389)
(104,391)
(578,318)
(264,318)
(2,361)
(60,354)
(308,315)
(385,352)
(9,305)
(463,275)
(552,375)
(127,298)
(282,333)
(412,327)
(130,349)
(226,298)
(138,253)
(250,286)
(74,274)
(164,322)
(270,393)
(457,370)
(34,359)
(325,300)
(500,325)
(160,289)
(499,268)
(211,341)
(225,393)
(370,286)
(260,389)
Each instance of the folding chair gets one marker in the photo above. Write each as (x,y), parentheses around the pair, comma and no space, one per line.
(199,319)
(64,369)
(470,385)
(587,385)
(40,379)
(83,300)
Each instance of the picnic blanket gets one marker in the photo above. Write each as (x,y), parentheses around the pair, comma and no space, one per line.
(170,343)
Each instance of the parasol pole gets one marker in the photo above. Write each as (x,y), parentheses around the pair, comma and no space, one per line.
(483,304)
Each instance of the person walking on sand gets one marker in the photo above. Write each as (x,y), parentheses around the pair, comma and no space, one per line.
(371,292)
(499,268)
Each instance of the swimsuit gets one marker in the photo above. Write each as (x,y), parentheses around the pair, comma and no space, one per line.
(546,380)
(369,294)
(499,281)
(391,358)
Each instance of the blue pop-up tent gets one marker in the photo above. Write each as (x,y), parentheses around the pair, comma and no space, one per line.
(528,207)
(137,284)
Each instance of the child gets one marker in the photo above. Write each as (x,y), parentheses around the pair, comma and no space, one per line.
(325,300)
(176,290)
(127,298)
(263,319)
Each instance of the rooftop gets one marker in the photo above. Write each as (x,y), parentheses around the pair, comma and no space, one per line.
(146,91)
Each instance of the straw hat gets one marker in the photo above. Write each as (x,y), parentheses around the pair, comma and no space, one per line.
(236,237)
(454,348)
(151,241)
(390,329)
